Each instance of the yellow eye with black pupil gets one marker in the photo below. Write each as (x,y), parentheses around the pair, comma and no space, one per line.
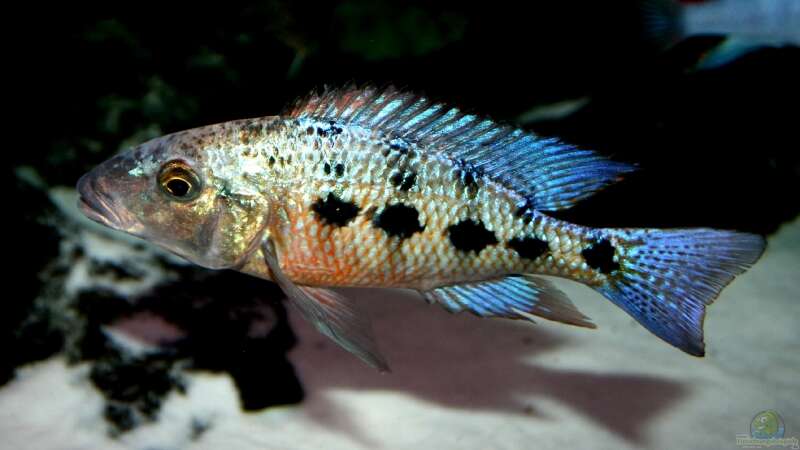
(178,181)
(178,187)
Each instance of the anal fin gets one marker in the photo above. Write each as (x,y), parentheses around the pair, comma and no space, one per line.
(513,297)
(330,312)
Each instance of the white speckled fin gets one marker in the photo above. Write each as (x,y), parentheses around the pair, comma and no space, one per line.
(549,174)
(514,297)
(330,312)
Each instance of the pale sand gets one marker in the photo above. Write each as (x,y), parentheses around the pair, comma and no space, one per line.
(468,383)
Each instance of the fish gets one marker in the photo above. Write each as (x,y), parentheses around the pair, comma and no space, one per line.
(746,25)
(361,186)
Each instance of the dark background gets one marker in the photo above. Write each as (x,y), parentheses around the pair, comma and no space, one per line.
(716,148)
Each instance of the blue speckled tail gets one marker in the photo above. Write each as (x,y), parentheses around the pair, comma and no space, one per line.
(667,277)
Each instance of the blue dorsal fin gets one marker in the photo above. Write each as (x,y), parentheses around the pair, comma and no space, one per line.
(550,174)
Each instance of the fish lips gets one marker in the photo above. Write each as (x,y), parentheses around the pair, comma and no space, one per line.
(97,205)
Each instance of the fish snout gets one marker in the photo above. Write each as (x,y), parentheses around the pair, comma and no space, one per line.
(99,191)
(95,204)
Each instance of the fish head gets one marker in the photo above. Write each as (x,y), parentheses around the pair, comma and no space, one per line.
(178,191)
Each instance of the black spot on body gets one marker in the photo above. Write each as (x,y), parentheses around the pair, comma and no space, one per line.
(327,168)
(271,161)
(525,211)
(310,131)
(334,130)
(398,145)
(403,180)
(600,256)
(396,179)
(469,180)
(469,235)
(409,181)
(468,177)
(334,211)
(470,184)
(339,169)
(529,247)
(399,220)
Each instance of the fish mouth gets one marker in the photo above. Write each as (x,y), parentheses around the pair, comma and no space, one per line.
(97,205)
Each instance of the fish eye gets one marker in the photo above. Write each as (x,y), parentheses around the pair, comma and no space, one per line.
(179,181)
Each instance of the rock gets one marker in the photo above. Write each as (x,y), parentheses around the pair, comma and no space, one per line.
(140,318)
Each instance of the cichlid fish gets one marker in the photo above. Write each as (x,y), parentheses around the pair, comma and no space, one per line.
(383,188)
(748,25)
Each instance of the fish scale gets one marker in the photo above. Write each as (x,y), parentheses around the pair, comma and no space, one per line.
(435,198)
(402,263)
(370,187)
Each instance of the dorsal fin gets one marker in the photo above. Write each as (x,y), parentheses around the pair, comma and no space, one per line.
(550,174)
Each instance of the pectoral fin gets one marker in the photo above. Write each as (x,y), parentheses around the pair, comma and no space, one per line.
(329,311)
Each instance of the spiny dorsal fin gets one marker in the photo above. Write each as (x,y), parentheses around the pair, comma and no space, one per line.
(550,174)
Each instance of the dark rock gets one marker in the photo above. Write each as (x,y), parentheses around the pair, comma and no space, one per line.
(141,340)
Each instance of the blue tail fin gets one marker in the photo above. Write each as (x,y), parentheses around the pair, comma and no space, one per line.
(667,277)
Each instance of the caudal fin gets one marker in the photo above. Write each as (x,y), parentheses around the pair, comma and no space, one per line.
(666,278)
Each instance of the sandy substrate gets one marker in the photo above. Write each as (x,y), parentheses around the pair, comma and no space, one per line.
(463,382)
